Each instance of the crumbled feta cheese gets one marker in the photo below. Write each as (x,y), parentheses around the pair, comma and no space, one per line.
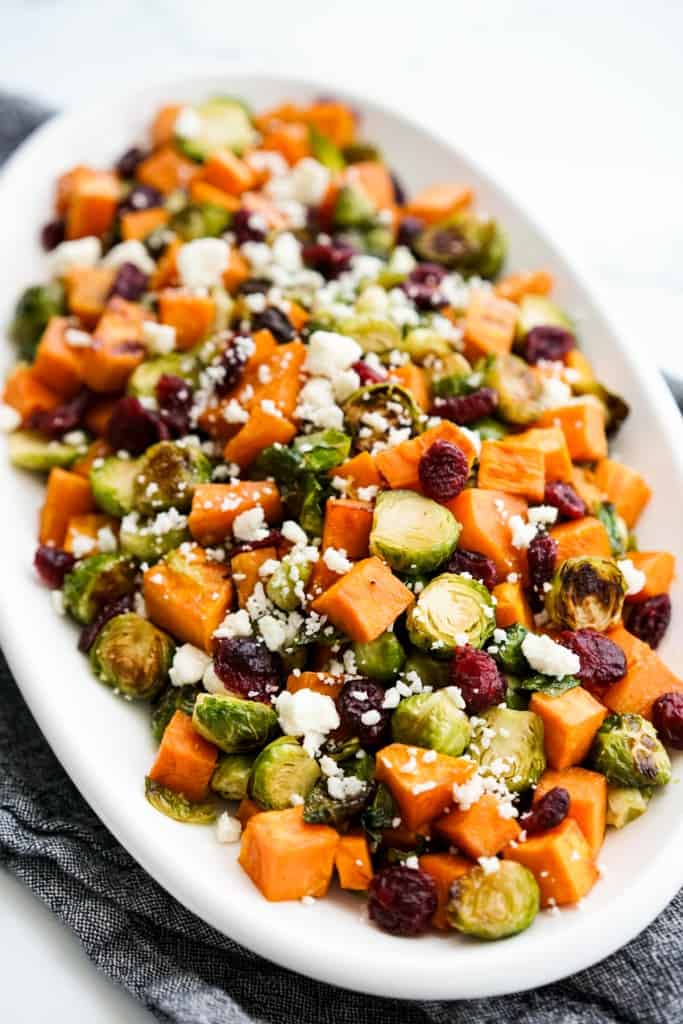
(292,532)
(57,598)
(554,393)
(344,384)
(546,656)
(9,418)
(635,578)
(188,123)
(189,665)
(159,339)
(81,544)
(341,787)
(212,684)
(329,354)
(77,339)
(368,493)
(489,865)
(132,251)
(201,263)
(273,632)
(522,533)
(235,624)
(250,525)
(316,405)
(542,514)
(106,539)
(228,829)
(308,714)
(336,561)
(83,252)
(306,183)
(370,717)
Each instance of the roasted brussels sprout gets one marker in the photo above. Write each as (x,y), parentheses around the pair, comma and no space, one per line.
(628,752)
(424,343)
(145,377)
(112,480)
(286,587)
(149,539)
(325,151)
(516,697)
(538,311)
(33,310)
(512,741)
(233,724)
(373,333)
(617,530)
(282,463)
(489,429)
(509,654)
(626,803)
(219,123)
(231,776)
(170,700)
(96,581)
(494,904)
(519,389)
(381,659)
(552,685)
(379,815)
(466,243)
(175,805)
(371,412)
(30,450)
(434,720)
(450,376)
(200,220)
(281,771)
(132,656)
(353,209)
(322,808)
(411,533)
(323,449)
(451,611)
(167,475)
(429,671)
(586,593)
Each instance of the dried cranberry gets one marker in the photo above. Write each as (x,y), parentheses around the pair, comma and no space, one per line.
(254,286)
(443,471)
(402,900)
(68,416)
(247,667)
(232,361)
(422,286)
(248,226)
(133,428)
(564,498)
(174,398)
(52,565)
(368,374)
(602,661)
(667,718)
(127,164)
(464,409)
(650,620)
(329,258)
(140,197)
(478,566)
(541,558)
(273,539)
(549,811)
(109,611)
(278,323)
(52,234)
(548,342)
(400,194)
(408,230)
(363,699)
(476,675)
(130,282)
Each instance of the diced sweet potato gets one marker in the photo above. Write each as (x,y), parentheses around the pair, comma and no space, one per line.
(560,860)
(585,536)
(87,291)
(216,506)
(162,128)
(203,192)
(245,571)
(228,172)
(191,315)
(287,859)
(437,202)
(189,606)
(414,379)
(58,364)
(185,760)
(624,487)
(66,495)
(512,605)
(398,465)
(246,810)
(26,393)
(583,425)
(553,444)
(138,224)
(513,469)
(87,525)
(587,800)
(646,679)
(320,579)
(444,868)
(166,170)
(261,430)
(422,789)
(480,831)
(489,325)
(484,516)
(364,602)
(570,722)
(347,526)
(515,286)
(353,863)
(117,346)
(659,568)
(319,682)
(361,470)
(92,205)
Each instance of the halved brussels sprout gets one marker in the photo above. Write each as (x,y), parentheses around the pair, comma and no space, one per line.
(170,700)
(112,480)
(538,311)
(323,449)
(627,750)
(434,720)
(411,533)
(626,803)
(466,243)
(353,209)
(145,377)
(167,475)
(451,611)
(321,808)
(33,310)
(200,220)
(371,412)
(373,333)
(381,659)
(494,904)
(519,388)
(509,655)
(177,806)
(325,151)
(286,588)
(489,429)
(219,123)
(96,581)
(132,656)
(450,376)
(231,776)
(552,685)
(146,541)
(429,671)
(586,593)
(31,450)
(617,530)
(509,745)
(379,815)
(425,342)
(516,697)
(281,771)
(233,724)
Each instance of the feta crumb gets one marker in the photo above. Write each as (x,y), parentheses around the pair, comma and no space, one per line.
(82,252)
(188,123)
(522,533)
(371,717)
(542,514)
(81,544)
(77,339)
(201,263)
(132,251)
(273,632)
(57,598)
(228,829)
(212,684)
(336,561)
(235,624)
(635,578)
(189,665)
(546,656)
(250,525)
(330,353)
(308,714)
(106,540)
(489,865)
(292,532)
(159,339)
(341,787)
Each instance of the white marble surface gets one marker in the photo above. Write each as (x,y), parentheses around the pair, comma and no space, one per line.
(576,108)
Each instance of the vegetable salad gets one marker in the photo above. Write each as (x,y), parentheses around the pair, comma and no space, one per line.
(333,493)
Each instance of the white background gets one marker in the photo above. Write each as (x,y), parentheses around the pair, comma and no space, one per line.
(576,108)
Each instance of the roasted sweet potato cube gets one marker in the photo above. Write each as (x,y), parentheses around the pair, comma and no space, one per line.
(286,858)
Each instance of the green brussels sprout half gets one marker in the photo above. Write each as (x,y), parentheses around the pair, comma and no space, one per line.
(96,581)
(372,332)
(325,151)
(424,343)
(224,122)
(586,593)
(286,587)
(170,700)
(144,541)
(281,771)
(31,315)
(627,750)
(167,475)
(509,654)
(429,671)
(313,495)
(379,815)
(323,449)
(112,480)
(200,220)
(450,376)
(551,685)
(321,808)
(466,243)
(516,697)
(511,739)
(145,377)
(494,904)
(451,611)
(489,429)
(372,411)
(30,450)
(626,803)
(177,806)
(233,724)
(381,659)
(434,720)
(617,531)
(230,779)
(519,389)
(132,656)
(411,533)
(285,465)
(538,311)
(353,209)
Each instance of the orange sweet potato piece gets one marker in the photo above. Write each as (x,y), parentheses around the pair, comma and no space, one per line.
(228,172)
(320,579)
(480,831)
(585,536)
(162,128)
(587,800)
(515,286)
(553,444)
(444,868)
(286,858)
(58,364)
(624,487)
(245,571)
(216,506)
(399,465)
(297,315)
(659,568)
(583,424)
(67,495)
(290,140)
(422,789)
(583,482)
(334,120)
(236,271)
(98,415)
(87,525)
(203,192)
(191,315)
(513,469)
(68,183)
(27,394)
(512,605)
(364,602)
(261,429)
(166,272)
(282,384)
(484,518)
(347,526)
(92,205)
(189,605)
(138,224)
(185,761)
(107,365)
(246,810)
(166,170)
(353,863)
(319,682)
(560,859)
(414,379)
(570,723)
(361,470)
(489,325)
(373,179)
(96,450)
(646,679)
(438,202)
(87,291)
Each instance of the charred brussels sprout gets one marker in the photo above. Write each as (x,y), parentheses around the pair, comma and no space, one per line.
(177,806)
(489,429)
(112,481)
(170,700)
(132,656)
(30,450)
(379,815)
(450,376)
(221,122)
(494,904)
(167,475)
(434,720)
(231,776)
(371,412)
(451,611)
(353,209)
(586,593)
(325,151)
(149,539)
(538,311)
(286,587)
(519,389)
(627,751)
(145,377)
(97,581)
(429,671)
(511,740)
(381,659)
(424,343)
(351,794)
(33,310)
(509,654)
(626,803)
(282,771)
(466,243)
(233,724)
(200,220)
(373,333)
(411,533)
(323,449)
